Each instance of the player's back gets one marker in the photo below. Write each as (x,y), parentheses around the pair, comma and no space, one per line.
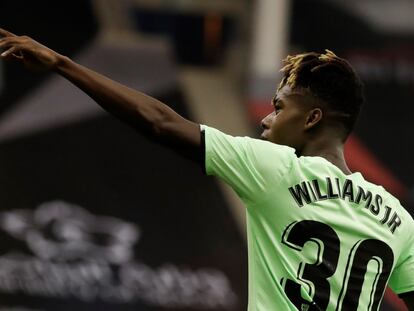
(324,240)
(318,239)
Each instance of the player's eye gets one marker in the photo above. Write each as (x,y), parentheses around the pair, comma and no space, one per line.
(277,108)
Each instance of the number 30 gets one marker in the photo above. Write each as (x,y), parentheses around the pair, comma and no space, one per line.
(315,275)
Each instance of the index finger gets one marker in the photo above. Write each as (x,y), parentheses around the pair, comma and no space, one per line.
(5,33)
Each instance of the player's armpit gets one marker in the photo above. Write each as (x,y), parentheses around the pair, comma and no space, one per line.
(408,298)
(183,136)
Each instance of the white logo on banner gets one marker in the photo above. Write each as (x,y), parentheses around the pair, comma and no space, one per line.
(60,231)
(80,255)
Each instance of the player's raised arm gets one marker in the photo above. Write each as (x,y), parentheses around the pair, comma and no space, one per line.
(143,112)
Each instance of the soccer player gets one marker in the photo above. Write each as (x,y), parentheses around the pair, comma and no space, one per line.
(319,236)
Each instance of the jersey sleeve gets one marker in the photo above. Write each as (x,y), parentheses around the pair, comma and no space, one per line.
(248,165)
(402,278)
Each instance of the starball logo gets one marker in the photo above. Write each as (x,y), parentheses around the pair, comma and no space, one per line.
(70,253)
(62,232)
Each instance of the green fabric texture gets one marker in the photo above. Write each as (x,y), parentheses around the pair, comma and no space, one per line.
(317,239)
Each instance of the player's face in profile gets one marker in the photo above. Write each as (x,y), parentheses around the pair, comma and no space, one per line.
(285,125)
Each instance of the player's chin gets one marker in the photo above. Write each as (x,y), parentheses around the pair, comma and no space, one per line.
(263,136)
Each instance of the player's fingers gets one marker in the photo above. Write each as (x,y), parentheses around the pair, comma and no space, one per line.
(18,56)
(5,33)
(8,41)
(13,51)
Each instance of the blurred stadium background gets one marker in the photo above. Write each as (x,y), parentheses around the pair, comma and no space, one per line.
(95,217)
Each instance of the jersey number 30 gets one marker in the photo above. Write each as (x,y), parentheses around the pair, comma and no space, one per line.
(328,247)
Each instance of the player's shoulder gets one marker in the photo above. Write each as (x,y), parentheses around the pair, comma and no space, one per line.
(260,144)
(259,147)
(390,201)
(390,197)
(359,185)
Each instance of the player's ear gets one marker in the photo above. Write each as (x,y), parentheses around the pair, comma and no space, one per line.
(313,118)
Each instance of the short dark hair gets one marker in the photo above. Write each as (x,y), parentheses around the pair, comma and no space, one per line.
(329,78)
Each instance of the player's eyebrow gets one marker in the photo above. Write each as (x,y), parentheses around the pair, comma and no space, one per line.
(276,101)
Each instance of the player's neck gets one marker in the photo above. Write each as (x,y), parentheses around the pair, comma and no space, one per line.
(331,150)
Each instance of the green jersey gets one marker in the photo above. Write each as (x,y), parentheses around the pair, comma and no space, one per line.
(317,239)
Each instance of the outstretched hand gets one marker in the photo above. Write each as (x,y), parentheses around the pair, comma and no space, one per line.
(24,49)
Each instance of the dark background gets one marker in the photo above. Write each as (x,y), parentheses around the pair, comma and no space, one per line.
(109,169)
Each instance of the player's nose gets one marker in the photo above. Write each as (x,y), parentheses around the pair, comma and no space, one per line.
(265,122)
